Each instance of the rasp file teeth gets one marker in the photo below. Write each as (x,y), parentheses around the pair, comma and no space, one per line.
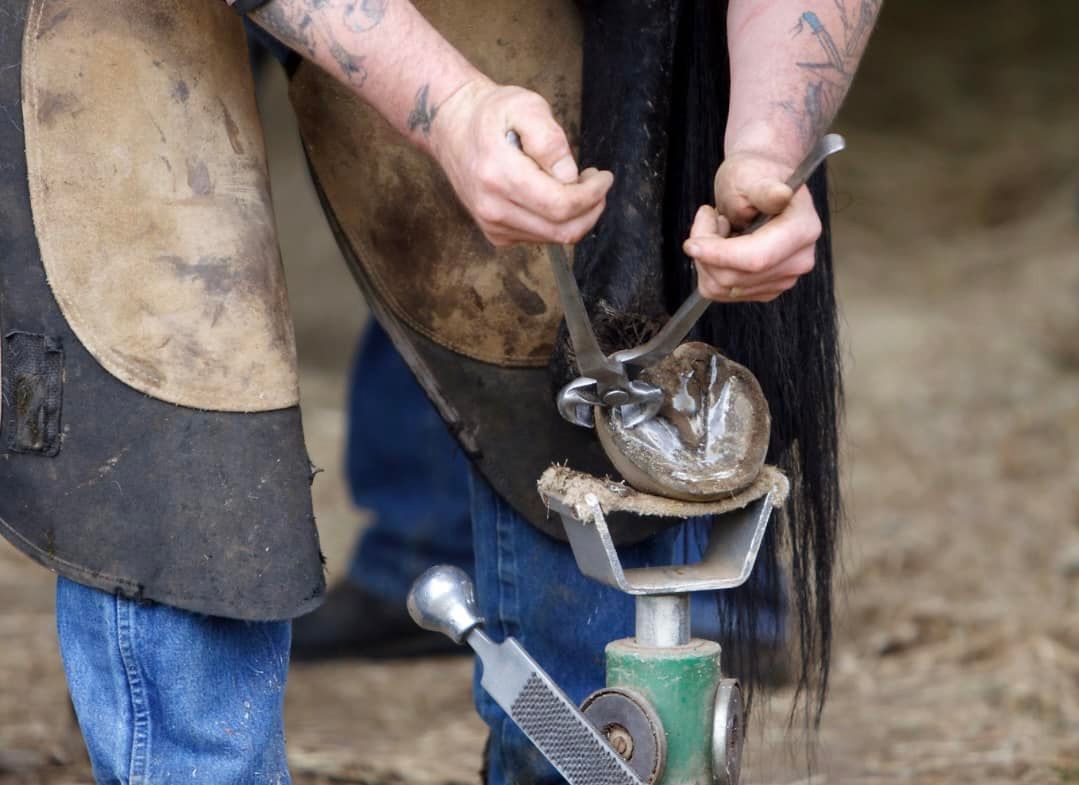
(565,739)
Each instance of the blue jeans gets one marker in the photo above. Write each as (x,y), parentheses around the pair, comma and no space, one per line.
(163,694)
(528,586)
(405,467)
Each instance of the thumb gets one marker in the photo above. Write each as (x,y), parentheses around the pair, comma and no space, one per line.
(769,196)
(544,141)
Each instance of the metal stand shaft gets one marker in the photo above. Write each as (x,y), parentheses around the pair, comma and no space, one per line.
(663,620)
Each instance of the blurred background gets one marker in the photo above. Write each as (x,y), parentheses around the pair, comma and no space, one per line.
(957,236)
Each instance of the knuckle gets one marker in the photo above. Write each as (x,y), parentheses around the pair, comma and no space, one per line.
(563,209)
(710,289)
(581,231)
(497,240)
(805,264)
(812,230)
(588,196)
(549,143)
(487,175)
(811,235)
(725,279)
(743,211)
(544,204)
(489,211)
(568,235)
(757,264)
(532,100)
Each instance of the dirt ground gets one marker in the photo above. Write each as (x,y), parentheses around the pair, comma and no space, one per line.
(957,660)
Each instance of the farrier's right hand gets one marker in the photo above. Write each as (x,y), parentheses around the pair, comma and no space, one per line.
(532,195)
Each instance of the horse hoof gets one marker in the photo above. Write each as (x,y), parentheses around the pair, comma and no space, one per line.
(710,438)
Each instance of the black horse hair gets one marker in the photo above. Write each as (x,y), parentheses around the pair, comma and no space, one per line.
(792,346)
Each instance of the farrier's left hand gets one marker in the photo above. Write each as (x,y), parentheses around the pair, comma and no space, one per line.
(759,266)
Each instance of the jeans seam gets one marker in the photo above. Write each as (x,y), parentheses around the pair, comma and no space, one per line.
(507,598)
(508,610)
(140,733)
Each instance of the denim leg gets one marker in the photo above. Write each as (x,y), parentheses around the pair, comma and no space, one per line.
(405,467)
(164,694)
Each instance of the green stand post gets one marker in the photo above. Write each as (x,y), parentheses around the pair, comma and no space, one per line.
(666,709)
(680,682)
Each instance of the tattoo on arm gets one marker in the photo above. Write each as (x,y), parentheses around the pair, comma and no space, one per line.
(830,76)
(363,15)
(421,115)
(858,30)
(352,66)
(290,28)
(296,25)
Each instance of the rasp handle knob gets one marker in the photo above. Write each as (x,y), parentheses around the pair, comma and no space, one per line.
(443,600)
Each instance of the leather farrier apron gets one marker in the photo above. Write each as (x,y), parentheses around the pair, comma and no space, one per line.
(150,438)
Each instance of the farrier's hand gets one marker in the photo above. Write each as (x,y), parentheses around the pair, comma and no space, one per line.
(534,197)
(762,265)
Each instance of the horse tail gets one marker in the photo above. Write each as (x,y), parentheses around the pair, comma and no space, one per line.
(790,344)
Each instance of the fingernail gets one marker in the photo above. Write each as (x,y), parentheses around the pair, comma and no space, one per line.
(692,249)
(565,170)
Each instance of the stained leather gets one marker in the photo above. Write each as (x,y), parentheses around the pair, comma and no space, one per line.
(426,259)
(151,199)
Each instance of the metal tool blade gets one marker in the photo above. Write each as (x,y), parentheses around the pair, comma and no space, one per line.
(548,718)
(679,325)
(591,361)
(576,400)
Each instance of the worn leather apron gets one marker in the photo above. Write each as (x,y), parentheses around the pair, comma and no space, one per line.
(150,437)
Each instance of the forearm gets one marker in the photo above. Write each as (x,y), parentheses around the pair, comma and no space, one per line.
(384,50)
(792,62)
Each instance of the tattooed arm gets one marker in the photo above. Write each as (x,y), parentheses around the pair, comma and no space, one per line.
(387,53)
(792,62)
